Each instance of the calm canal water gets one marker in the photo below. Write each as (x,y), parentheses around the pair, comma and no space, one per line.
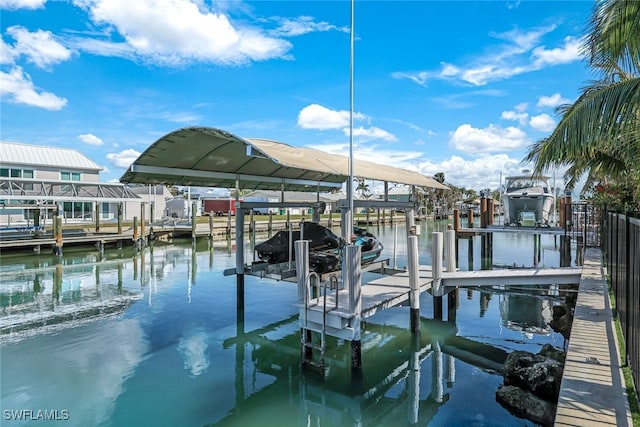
(153,339)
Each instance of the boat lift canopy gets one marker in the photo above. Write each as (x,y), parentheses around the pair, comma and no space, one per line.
(210,157)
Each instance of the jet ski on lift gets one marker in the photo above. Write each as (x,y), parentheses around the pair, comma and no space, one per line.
(325,247)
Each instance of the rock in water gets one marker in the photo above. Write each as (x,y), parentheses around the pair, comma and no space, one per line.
(525,404)
(532,384)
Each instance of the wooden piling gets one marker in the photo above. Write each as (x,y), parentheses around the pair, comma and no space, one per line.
(456,220)
(470,218)
(135,231)
(57,249)
(97,211)
(483,212)
(120,218)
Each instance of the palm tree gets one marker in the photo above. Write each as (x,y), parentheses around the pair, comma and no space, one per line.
(599,134)
(363,188)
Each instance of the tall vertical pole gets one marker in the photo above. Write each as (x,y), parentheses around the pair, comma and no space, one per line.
(348,227)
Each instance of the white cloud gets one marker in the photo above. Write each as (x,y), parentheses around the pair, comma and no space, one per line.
(371,133)
(542,122)
(175,32)
(316,116)
(124,158)
(16,86)
(569,52)
(522,107)
(478,173)
(38,47)
(515,116)
(493,138)
(21,4)
(7,54)
(517,55)
(552,101)
(90,139)
(290,27)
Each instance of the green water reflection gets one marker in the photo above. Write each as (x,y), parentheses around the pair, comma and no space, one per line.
(154,338)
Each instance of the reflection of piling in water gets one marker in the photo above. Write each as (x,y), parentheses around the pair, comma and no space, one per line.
(57,282)
(565,251)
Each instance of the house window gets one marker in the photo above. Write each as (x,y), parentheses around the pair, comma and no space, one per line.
(4,172)
(27,173)
(16,173)
(70,176)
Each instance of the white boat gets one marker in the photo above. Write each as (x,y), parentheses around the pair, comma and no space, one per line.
(528,200)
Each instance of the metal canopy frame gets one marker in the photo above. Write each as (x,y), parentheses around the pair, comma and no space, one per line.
(25,189)
(210,157)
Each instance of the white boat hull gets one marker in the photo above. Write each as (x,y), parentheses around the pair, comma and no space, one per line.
(520,208)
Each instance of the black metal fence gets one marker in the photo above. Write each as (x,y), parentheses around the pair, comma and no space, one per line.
(621,246)
(584,223)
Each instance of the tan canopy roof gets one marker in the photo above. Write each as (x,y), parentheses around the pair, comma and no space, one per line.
(209,157)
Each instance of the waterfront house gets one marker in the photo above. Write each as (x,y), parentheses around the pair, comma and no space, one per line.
(37,180)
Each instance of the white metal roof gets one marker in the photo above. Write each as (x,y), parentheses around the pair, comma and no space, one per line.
(12,153)
(202,156)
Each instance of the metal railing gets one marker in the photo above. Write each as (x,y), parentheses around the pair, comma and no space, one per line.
(584,223)
(621,247)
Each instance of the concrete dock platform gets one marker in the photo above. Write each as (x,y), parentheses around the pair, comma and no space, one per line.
(593,392)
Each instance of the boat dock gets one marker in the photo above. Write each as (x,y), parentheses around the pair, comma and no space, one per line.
(394,289)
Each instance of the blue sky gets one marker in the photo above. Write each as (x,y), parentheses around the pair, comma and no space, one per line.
(460,87)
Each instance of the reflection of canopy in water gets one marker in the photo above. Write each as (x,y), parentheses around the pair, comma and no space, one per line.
(386,366)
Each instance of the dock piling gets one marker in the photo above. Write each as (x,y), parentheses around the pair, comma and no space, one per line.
(57,249)
(352,274)
(211,226)
(119,218)
(136,243)
(450,246)
(194,223)
(436,263)
(97,210)
(414,285)
(239,259)
(142,221)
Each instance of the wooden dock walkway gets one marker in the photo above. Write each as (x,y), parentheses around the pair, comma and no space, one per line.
(593,392)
